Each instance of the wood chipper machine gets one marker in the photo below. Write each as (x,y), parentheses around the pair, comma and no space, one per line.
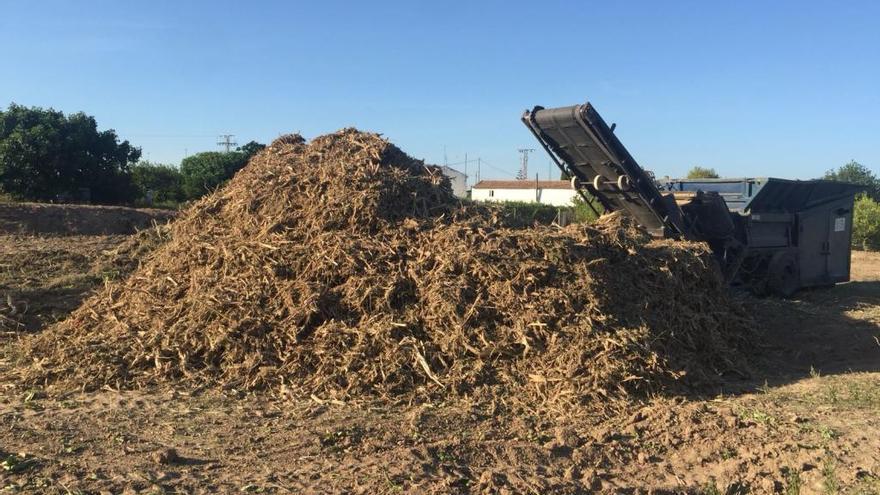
(770,235)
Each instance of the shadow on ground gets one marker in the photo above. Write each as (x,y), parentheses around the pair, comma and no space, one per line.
(834,330)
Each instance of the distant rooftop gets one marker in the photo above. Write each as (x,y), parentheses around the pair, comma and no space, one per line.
(523,184)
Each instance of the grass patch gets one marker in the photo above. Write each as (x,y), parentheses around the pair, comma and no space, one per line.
(756,415)
(827,432)
(851,393)
(792,482)
(830,484)
(854,391)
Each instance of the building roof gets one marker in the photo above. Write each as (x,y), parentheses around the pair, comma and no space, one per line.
(450,171)
(523,184)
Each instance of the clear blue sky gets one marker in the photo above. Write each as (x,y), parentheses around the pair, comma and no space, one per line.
(786,89)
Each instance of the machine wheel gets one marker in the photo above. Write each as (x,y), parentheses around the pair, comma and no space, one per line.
(783,275)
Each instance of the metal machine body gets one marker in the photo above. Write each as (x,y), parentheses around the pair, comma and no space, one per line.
(585,148)
(772,235)
(798,233)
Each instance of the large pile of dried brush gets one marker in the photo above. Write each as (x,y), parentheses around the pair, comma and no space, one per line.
(342,268)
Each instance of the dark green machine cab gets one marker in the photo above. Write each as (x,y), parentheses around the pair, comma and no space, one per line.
(799,232)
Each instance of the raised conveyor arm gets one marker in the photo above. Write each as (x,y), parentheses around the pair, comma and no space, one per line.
(584,147)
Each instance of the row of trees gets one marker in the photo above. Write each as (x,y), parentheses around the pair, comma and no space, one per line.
(197,175)
(46,155)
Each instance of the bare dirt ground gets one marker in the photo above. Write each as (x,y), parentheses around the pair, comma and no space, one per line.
(42,279)
(804,421)
(77,220)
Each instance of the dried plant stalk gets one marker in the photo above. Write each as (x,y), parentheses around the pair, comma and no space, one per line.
(343,268)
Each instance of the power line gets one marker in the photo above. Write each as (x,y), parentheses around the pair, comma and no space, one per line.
(176,136)
(481,162)
(227,141)
(493,167)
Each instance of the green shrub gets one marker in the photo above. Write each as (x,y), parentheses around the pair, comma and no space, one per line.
(866,224)
(206,171)
(583,213)
(528,213)
(702,173)
(163,182)
(522,212)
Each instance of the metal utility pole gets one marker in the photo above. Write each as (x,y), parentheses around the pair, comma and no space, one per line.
(465,171)
(537,189)
(228,141)
(478,169)
(524,163)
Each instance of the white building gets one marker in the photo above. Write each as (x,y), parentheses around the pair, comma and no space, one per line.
(458,180)
(549,192)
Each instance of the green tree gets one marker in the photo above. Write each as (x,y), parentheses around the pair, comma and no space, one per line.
(203,172)
(252,148)
(45,155)
(702,173)
(866,224)
(583,212)
(856,173)
(164,182)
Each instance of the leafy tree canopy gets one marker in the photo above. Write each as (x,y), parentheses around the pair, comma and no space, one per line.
(866,224)
(252,148)
(702,173)
(857,173)
(46,155)
(204,172)
(164,183)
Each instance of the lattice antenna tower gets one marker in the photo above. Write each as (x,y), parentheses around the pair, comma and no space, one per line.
(523,173)
(227,141)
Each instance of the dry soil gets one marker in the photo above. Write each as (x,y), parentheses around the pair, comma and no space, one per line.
(804,421)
